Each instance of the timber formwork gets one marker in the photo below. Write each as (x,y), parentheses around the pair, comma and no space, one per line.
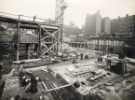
(33,38)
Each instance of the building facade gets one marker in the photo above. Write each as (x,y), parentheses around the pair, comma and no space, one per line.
(106,25)
(96,25)
(123,26)
(93,24)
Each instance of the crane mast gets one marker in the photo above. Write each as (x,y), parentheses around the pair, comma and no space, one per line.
(59,18)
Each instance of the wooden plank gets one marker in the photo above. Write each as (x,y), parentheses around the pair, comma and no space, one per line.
(57,88)
(49,49)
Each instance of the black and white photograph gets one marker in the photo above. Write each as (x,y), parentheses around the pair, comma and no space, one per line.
(67,49)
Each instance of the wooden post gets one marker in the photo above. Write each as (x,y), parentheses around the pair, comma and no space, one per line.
(39,40)
(18,38)
(98,44)
(28,51)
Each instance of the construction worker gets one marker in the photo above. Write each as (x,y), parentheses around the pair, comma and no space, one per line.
(22,76)
(31,86)
(108,63)
(81,55)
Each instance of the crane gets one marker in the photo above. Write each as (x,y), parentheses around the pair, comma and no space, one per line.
(59,17)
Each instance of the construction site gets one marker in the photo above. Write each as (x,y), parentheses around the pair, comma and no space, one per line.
(41,65)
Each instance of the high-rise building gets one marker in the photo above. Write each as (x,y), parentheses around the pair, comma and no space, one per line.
(106,25)
(115,26)
(98,23)
(93,24)
(97,26)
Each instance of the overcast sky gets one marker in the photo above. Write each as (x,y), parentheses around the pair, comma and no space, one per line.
(76,11)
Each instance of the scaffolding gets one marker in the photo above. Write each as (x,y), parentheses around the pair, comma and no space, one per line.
(35,37)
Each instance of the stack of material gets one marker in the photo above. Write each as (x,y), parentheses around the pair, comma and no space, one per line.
(30,63)
(28,36)
(50,82)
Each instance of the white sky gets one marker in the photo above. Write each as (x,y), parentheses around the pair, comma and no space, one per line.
(76,11)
